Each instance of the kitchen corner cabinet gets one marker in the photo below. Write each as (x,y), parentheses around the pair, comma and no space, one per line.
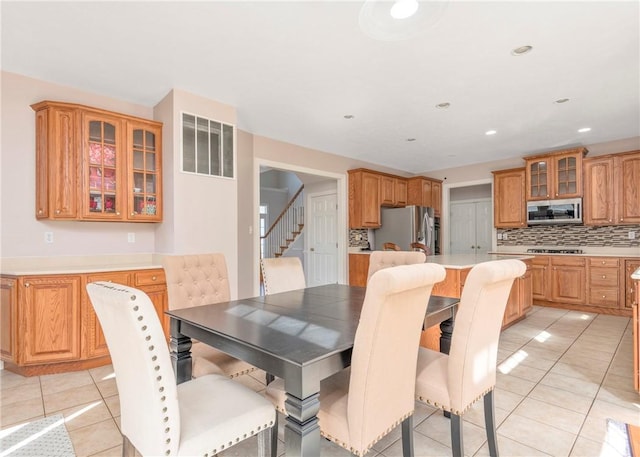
(364,199)
(612,189)
(509,209)
(48,323)
(423,191)
(555,175)
(96,165)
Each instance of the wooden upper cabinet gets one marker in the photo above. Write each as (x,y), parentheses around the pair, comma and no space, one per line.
(364,199)
(627,168)
(612,189)
(423,191)
(555,175)
(89,163)
(393,191)
(509,205)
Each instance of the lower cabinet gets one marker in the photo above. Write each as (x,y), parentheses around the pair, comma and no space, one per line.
(541,277)
(568,280)
(604,282)
(358,269)
(631,295)
(48,323)
(520,299)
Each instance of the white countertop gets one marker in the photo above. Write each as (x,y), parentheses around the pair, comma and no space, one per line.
(20,266)
(461,261)
(588,251)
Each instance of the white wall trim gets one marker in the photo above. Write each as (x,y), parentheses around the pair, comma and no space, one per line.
(444,216)
(341,198)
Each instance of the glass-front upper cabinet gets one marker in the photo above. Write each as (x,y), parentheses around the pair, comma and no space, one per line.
(103,167)
(144,180)
(555,175)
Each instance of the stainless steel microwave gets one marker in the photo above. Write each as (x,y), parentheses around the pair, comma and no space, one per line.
(566,211)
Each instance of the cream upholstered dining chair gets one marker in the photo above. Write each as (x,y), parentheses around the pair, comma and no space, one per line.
(199,417)
(385,259)
(454,382)
(280,274)
(202,279)
(360,405)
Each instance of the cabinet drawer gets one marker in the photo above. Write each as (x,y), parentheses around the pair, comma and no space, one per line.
(568,261)
(604,262)
(605,277)
(604,296)
(149,278)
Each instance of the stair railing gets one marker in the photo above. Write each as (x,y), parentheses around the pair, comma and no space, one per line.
(285,228)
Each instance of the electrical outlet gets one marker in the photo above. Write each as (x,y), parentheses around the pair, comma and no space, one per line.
(505,236)
(500,236)
(48,237)
(632,235)
(131,237)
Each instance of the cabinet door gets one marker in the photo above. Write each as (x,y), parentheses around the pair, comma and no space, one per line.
(49,318)
(370,200)
(628,189)
(144,181)
(567,177)
(436,198)
(526,291)
(387,191)
(631,297)
(56,164)
(598,200)
(401,192)
(427,195)
(509,207)
(103,167)
(568,280)
(539,175)
(358,269)
(540,278)
(95,344)
(512,310)
(8,318)
(160,300)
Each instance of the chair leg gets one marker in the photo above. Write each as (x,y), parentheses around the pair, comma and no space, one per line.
(457,446)
(407,437)
(490,424)
(268,440)
(274,437)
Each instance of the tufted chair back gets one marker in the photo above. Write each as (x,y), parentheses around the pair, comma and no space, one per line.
(282,274)
(197,279)
(150,415)
(385,259)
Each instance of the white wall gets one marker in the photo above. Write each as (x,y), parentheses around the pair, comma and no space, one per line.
(21,235)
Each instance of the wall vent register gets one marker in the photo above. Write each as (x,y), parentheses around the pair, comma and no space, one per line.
(554,251)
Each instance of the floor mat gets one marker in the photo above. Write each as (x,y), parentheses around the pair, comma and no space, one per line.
(43,437)
(624,438)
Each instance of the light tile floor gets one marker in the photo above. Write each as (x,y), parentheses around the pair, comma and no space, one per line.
(561,375)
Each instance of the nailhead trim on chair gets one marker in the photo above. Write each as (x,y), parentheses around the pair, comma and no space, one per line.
(359,452)
(237,440)
(456,412)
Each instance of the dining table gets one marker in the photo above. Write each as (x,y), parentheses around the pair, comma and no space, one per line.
(302,336)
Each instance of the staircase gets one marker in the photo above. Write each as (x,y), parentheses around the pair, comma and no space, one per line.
(286,228)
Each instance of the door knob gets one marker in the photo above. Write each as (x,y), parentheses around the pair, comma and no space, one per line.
(312,249)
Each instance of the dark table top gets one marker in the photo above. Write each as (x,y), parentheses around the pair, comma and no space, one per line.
(299,326)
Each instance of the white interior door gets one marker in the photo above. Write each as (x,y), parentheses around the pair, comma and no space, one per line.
(470,227)
(322,240)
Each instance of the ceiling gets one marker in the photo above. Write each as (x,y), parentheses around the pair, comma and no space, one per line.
(293,70)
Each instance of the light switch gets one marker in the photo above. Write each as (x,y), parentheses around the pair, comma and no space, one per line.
(131,237)
(48,237)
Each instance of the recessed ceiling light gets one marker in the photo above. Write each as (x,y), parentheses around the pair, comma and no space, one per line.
(403,9)
(490,132)
(349,116)
(584,129)
(444,105)
(521,50)
(411,139)
(561,100)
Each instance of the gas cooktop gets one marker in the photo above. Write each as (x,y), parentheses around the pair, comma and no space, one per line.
(555,251)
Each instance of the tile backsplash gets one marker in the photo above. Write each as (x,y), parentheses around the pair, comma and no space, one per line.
(570,235)
(358,238)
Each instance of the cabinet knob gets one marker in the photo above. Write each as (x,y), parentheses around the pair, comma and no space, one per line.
(26,284)
(610,220)
(153,278)
(604,276)
(57,211)
(604,296)
(133,213)
(603,262)
(40,211)
(117,213)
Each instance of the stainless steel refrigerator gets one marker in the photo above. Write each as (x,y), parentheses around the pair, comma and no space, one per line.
(407,225)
